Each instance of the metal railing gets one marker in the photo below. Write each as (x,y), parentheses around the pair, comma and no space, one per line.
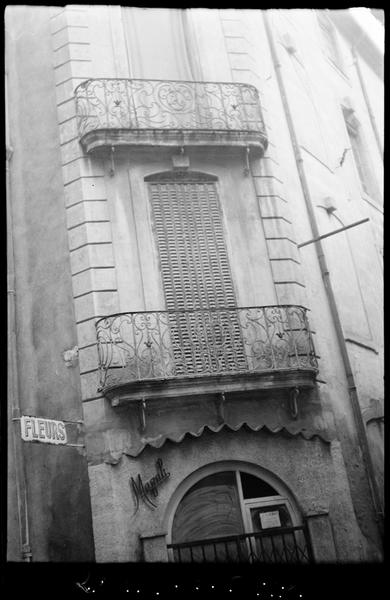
(157,345)
(281,545)
(155,104)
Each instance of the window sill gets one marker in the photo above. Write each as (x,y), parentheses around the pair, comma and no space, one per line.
(338,69)
(362,343)
(375,203)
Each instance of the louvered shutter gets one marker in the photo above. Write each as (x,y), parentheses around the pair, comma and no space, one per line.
(196,276)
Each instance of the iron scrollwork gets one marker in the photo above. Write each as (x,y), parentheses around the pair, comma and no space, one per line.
(143,346)
(152,104)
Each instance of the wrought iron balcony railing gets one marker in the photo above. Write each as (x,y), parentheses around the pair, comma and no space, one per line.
(115,112)
(277,546)
(181,345)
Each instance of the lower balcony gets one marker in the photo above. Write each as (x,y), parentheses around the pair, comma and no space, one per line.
(190,352)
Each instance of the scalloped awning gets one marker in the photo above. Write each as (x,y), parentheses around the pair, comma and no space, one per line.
(159,441)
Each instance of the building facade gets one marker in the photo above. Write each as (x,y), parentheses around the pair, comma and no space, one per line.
(219,381)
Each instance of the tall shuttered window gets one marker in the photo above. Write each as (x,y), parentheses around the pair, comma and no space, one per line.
(196,275)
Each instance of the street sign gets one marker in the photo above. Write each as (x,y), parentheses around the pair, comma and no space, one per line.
(47,431)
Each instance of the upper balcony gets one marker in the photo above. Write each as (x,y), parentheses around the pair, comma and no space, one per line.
(175,353)
(142,112)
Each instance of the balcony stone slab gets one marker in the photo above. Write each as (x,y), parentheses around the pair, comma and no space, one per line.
(204,385)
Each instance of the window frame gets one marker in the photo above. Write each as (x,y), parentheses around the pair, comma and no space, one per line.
(270,501)
(245,505)
(226,465)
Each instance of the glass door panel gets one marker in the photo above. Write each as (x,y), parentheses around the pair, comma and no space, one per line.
(228,517)
(276,541)
(209,513)
(269,517)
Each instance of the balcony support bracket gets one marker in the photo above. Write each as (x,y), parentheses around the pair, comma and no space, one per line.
(112,167)
(247,165)
(142,415)
(294,393)
(220,406)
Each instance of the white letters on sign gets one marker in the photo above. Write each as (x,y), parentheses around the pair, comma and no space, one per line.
(34,429)
(270,519)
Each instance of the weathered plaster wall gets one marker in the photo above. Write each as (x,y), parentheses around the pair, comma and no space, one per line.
(57,480)
(376,434)
(305,467)
(248,64)
(315,88)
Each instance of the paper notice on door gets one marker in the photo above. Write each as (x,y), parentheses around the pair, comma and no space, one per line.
(270,519)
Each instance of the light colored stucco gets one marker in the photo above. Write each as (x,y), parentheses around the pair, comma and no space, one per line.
(85,248)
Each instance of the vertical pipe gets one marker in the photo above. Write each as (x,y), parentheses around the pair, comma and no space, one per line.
(353,395)
(13,391)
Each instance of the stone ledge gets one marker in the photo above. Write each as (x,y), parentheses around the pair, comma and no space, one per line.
(93,210)
(125,392)
(104,138)
(154,547)
(92,256)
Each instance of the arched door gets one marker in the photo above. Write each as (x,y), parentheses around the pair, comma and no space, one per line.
(236,516)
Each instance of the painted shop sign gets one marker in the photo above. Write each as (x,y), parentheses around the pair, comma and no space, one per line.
(148,490)
(47,431)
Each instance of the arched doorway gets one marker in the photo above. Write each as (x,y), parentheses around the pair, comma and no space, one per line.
(235,515)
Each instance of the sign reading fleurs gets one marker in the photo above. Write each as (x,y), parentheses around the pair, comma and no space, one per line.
(48,431)
(148,490)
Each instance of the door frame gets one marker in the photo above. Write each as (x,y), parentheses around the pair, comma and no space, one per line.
(228,465)
(267,501)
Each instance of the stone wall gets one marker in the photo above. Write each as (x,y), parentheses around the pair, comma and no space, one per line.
(305,467)
(58,501)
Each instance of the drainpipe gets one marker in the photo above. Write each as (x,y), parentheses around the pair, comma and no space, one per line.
(13,392)
(353,395)
(368,105)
